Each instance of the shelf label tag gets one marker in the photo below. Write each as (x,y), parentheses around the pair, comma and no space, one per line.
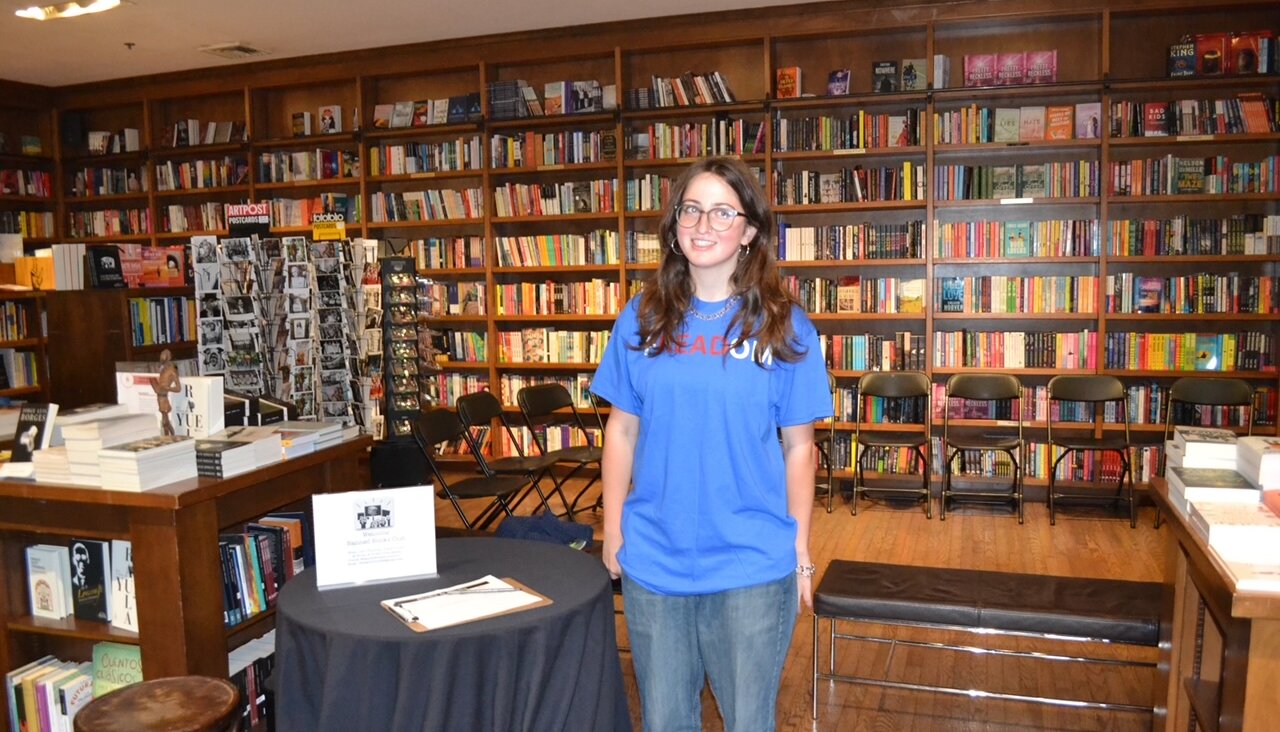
(328,227)
(1015,201)
(850,151)
(1194,138)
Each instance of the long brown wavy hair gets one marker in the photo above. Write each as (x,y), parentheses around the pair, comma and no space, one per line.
(765,309)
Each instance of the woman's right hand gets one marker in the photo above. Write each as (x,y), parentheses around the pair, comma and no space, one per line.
(612,543)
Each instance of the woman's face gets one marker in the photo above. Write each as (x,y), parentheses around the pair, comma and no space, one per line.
(704,246)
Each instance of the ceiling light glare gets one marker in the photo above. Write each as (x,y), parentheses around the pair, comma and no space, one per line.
(66,10)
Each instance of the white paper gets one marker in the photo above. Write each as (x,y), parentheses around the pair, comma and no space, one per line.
(460,603)
(374,536)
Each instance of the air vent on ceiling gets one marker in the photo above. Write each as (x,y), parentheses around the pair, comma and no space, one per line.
(233,51)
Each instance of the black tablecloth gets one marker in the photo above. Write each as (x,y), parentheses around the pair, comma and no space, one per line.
(343,663)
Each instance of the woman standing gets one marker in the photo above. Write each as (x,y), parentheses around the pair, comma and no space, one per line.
(706,513)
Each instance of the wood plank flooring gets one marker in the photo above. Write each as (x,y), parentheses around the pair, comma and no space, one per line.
(1083,543)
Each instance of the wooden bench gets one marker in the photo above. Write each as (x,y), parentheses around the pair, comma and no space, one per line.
(1027,605)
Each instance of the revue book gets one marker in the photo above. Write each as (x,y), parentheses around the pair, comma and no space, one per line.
(90,561)
(124,600)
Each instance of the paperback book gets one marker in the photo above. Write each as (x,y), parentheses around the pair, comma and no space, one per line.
(884,76)
(90,589)
(838,82)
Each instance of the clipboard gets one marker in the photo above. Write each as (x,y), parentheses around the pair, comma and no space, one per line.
(416,611)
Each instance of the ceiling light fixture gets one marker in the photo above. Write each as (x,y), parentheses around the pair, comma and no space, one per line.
(66,10)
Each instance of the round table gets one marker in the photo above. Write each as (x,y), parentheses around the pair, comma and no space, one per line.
(344,663)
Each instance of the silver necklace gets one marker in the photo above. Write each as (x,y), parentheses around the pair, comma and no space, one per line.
(728,305)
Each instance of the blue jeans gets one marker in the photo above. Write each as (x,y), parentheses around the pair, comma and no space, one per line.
(736,638)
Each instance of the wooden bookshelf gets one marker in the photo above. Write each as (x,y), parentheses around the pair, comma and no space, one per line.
(1108,53)
(174,530)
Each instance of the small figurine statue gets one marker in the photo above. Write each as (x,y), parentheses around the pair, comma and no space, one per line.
(166,383)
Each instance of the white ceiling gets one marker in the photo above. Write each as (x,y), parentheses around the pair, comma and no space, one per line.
(166,33)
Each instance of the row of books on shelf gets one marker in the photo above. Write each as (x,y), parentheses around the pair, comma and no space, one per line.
(858,130)
(902,350)
(330,116)
(723,135)
(189,132)
(28,224)
(850,241)
(20,182)
(554,250)
(1059,179)
(535,149)
(552,345)
(1172,175)
(856,184)
(1016,294)
(257,560)
(1238,234)
(88,579)
(411,158)
(555,199)
(1016,239)
(320,164)
(452,298)
(46,694)
(857,294)
(429,205)
(593,297)
(687,89)
(91,182)
(516,99)
(1250,114)
(976,124)
(426,112)
(1235,53)
(1239,351)
(1191,294)
(159,320)
(107,142)
(1015,350)
(20,144)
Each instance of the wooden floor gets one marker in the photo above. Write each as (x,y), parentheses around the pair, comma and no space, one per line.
(1082,544)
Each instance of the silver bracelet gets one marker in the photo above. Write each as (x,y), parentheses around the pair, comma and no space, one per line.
(806,570)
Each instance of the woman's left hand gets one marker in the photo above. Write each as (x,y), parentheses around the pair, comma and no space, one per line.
(804,588)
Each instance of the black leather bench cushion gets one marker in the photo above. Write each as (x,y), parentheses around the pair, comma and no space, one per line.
(1115,610)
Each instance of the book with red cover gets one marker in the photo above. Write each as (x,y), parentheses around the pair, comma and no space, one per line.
(1041,67)
(1059,122)
(1246,57)
(1212,54)
(980,69)
(788,82)
(1155,119)
(1011,68)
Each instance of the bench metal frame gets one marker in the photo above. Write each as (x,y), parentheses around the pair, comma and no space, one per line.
(833,636)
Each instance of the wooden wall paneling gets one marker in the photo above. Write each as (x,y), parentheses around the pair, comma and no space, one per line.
(1076,37)
(87,335)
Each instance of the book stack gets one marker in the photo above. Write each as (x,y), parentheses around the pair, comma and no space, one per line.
(250,666)
(1243,533)
(141,465)
(47,693)
(87,413)
(84,440)
(265,441)
(1201,447)
(224,458)
(1258,458)
(1209,485)
(52,465)
(299,438)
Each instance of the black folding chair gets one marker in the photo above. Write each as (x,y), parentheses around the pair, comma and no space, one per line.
(478,411)
(439,427)
(958,442)
(1076,437)
(550,405)
(905,397)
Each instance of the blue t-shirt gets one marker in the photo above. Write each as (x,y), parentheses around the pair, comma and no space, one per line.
(708,506)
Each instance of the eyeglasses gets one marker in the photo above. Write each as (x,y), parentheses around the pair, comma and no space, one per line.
(719,218)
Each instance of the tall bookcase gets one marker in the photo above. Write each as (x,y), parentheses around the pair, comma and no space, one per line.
(501,275)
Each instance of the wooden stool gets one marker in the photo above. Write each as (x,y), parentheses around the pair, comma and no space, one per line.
(178,704)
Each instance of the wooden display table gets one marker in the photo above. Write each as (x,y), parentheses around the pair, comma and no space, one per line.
(1220,649)
(174,530)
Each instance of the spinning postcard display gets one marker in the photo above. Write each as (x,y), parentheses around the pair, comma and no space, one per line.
(278,318)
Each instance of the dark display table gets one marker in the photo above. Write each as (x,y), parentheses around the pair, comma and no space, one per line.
(344,663)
